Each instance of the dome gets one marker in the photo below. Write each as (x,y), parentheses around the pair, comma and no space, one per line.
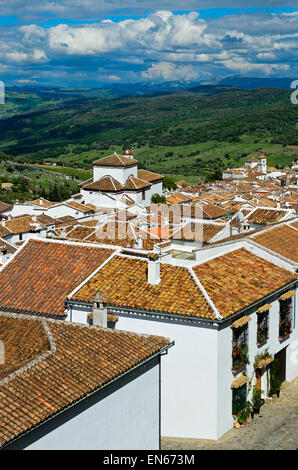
(128,152)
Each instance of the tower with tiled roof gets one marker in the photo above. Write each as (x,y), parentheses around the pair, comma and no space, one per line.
(117,175)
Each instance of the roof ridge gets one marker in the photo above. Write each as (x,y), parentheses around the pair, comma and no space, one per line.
(38,359)
(203,291)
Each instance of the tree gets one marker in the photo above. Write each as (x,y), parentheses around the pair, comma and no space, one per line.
(169,183)
(156,198)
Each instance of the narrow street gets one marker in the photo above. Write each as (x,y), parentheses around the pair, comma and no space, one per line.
(276,428)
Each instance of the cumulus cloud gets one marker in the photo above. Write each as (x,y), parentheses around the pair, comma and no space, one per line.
(159,46)
(168,71)
(243,67)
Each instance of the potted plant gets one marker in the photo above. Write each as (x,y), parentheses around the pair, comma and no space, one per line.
(244,415)
(256,400)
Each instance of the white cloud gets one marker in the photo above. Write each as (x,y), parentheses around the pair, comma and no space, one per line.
(158,46)
(169,71)
(17,56)
(39,55)
(266,56)
(243,67)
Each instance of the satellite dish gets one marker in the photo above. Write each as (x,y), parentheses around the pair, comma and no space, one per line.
(240,216)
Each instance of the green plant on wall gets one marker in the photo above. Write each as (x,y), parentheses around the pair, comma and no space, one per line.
(274,379)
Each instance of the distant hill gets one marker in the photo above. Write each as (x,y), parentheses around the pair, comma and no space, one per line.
(76,130)
(249,83)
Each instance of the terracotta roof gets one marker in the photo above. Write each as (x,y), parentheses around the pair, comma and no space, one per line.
(182,197)
(5,246)
(282,239)
(174,200)
(81,233)
(77,361)
(42,274)
(159,232)
(196,231)
(44,219)
(208,211)
(177,292)
(238,279)
(106,183)
(4,206)
(132,183)
(65,220)
(266,216)
(4,232)
(149,176)
(43,202)
(80,207)
(22,224)
(116,160)
(115,230)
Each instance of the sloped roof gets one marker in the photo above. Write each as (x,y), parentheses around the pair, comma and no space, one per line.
(238,279)
(43,202)
(71,361)
(115,160)
(133,184)
(149,176)
(177,292)
(106,183)
(80,207)
(264,216)
(23,224)
(4,206)
(282,239)
(196,231)
(42,274)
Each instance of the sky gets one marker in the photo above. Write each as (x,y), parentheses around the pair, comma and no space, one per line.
(93,43)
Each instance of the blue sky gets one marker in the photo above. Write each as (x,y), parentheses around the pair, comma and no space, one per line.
(75,43)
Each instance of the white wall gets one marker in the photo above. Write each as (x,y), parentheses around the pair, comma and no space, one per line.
(119,173)
(126,418)
(224,380)
(197,375)
(189,377)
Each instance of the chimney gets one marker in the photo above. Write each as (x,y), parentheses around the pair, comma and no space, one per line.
(100,314)
(140,243)
(153,268)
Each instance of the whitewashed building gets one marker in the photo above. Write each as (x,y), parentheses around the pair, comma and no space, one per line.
(215,310)
(116,176)
(72,387)
(223,309)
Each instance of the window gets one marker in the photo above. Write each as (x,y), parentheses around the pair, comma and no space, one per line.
(239,399)
(240,348)
(285,317)
(143,195)
(262,327)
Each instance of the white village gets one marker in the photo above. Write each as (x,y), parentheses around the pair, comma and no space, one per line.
(123,321)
